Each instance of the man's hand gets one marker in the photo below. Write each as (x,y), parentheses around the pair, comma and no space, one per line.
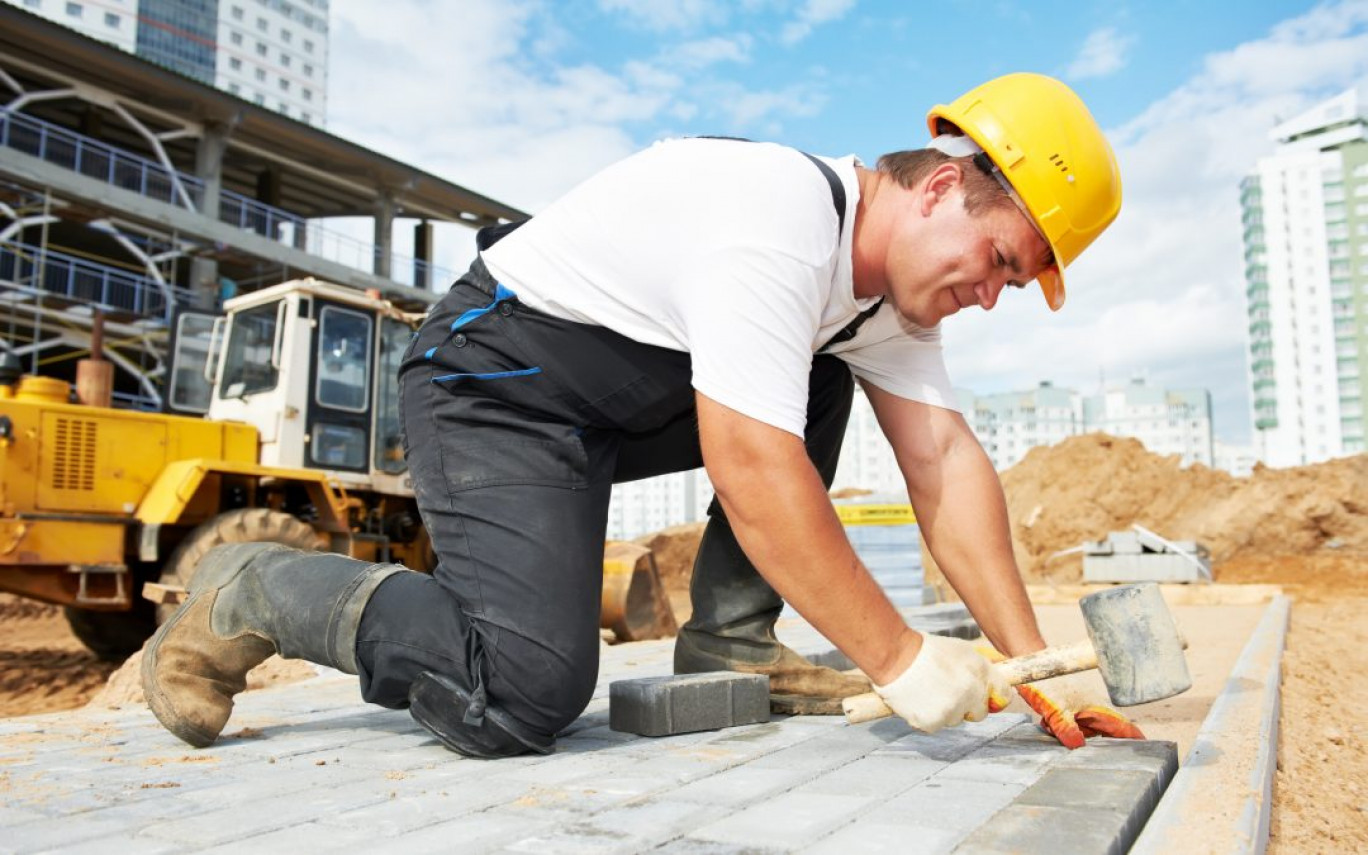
(1071,724)
(1057,702)
(947,684)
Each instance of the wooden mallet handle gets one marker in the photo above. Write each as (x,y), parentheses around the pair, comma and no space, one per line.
(1041,665)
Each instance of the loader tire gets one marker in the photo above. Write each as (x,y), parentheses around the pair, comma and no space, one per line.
(253,525)
(113,636)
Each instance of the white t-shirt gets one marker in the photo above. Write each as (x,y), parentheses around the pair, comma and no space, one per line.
(728,251)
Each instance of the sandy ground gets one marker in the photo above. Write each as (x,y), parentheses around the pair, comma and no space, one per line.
(1322,780)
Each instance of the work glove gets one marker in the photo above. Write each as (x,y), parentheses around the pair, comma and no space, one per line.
(947,684)
(1064,713)
(1068,719)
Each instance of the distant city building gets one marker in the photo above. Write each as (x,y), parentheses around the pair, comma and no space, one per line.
(273,54)
(651,504)
(1305,213)
(1238,460)
(1167,421)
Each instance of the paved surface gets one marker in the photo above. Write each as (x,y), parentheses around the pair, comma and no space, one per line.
(310,768)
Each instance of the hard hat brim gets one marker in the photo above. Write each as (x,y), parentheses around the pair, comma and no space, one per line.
(1051,281)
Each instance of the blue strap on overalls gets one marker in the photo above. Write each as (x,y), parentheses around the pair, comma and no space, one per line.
(501,294)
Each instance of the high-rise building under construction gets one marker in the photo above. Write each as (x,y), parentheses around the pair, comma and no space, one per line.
(1305,214)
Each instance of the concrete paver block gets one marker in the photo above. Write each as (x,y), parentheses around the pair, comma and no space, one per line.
(683,703)
(784,822)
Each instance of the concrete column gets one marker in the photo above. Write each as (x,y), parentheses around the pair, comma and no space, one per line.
(384,234)
(209,168)
(422,255)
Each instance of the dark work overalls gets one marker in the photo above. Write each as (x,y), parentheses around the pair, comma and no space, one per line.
(516,425)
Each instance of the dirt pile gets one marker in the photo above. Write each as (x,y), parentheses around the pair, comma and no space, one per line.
(124,688)
(42,666)
(1087,486)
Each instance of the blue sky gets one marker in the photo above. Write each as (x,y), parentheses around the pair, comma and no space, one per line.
(522,99)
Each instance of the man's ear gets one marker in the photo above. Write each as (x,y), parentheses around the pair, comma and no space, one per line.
(940,184)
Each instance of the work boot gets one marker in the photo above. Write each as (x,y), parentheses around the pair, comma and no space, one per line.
(247,601)
(732,629)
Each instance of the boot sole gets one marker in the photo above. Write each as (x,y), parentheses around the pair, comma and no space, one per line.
(802,705)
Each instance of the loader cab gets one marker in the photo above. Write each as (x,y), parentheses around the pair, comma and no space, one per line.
(313,366)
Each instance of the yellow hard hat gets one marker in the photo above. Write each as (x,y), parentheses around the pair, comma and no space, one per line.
(1049,147)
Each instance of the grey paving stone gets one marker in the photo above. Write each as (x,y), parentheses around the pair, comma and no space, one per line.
(1150,755)
(309,837)
(1101,789)
(48,835)
(631,828)
(1005,763)
(950,804)
(426,803)
(683,703)
(882,776)
(124,844)
(786,821)
(1039,828)
(239,819)
(946,745)
(823,753)
(476,833)
(871,838)
(738,786)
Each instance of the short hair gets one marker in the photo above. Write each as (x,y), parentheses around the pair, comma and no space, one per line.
(982,192)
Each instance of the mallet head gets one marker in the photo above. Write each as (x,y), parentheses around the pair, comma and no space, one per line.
(1139,648)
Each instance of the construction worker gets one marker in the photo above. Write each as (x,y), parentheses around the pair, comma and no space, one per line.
(705,302)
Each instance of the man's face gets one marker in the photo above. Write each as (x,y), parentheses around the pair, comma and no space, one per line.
(947,259)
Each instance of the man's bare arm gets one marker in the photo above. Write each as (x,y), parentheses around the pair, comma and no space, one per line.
(962,513)
(783,519)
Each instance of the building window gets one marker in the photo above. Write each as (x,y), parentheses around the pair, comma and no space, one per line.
(308,94)
(308,71)
(74,10)
(308,46)
(235,63)
(286,36)
(305,117)
(261,49)
(284,85)
(112,21)
(285,60)
(260,99)
(33,4)
(262,24)
(236,38)
(261,74)
(234,88)
(237,13)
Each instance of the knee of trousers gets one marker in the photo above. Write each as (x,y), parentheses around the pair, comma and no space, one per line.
(543,692)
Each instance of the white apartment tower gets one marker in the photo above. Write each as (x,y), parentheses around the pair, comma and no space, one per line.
(273,53)
(1305,214)
(1167,421)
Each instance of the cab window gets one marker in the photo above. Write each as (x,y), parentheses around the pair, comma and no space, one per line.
(248,367)
(344,351)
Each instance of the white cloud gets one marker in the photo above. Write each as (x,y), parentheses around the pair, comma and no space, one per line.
(811,15)
(1103,53)
(702,53)
(665,15)
(1162,292)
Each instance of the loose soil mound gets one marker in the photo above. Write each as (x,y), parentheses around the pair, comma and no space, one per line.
(1088,486)
(43,667)
(125,685)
